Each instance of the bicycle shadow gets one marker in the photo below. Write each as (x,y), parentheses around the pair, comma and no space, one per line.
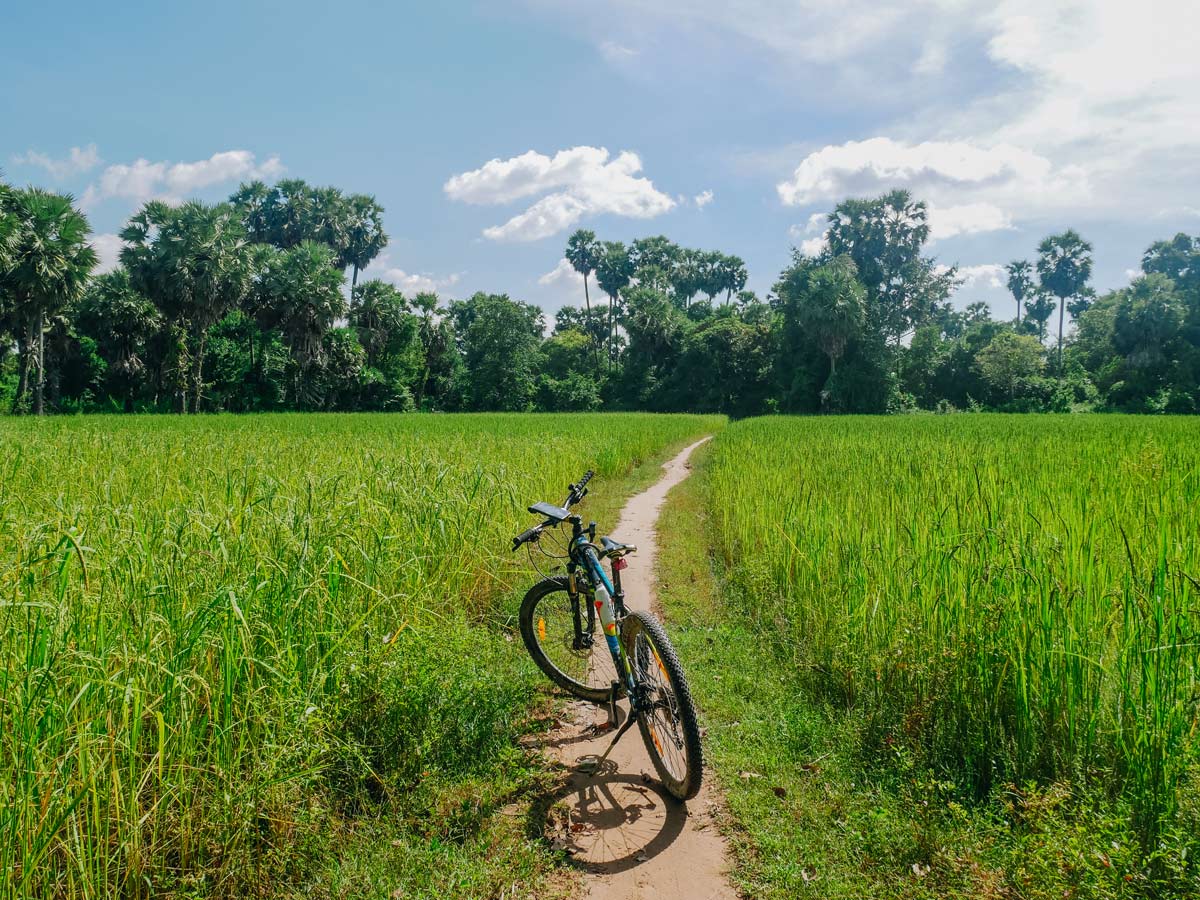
(607,822)
(568,735)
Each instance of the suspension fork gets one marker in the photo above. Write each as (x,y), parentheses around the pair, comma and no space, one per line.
(583,638)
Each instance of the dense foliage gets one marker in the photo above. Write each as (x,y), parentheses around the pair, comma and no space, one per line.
(243,306)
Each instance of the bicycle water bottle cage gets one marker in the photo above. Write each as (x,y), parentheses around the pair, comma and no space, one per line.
(550,511)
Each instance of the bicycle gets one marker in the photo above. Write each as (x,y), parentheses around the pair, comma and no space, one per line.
(559,619)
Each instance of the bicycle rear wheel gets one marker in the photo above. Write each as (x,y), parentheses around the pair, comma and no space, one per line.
(548,629)
(668,724)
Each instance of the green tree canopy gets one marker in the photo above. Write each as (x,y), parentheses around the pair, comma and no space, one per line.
(194,263)
(1064,266)
(884,236)
(500,340)
(1009,361)
(49,262)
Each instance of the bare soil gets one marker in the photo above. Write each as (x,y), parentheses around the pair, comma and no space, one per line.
(621,829)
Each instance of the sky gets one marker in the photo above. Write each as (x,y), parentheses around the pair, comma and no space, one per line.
(489,131)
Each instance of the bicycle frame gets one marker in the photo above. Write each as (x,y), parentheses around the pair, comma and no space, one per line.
(606,602)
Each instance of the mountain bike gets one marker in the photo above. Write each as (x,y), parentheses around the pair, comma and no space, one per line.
(561,617)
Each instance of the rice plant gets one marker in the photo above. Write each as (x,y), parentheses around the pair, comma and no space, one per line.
(217,633)
(1007,599)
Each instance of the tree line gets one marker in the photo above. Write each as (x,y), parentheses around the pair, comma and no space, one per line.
(244,305)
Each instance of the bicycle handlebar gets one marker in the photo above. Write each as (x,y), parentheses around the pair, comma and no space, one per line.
(578,489)
(576,492)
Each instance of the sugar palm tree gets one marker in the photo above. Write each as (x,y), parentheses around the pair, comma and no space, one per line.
(194,263)
(49,264)
(365,237)
(733,276)
(123,322)
(833,309)
(614,271)
(1020,281)
(583,253)
(1064,267)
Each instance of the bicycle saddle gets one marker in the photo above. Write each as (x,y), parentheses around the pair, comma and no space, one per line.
(616,548)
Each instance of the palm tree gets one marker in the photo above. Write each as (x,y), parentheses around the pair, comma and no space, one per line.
(712,273)
(1020,281)
(123,322)
(365,237)
(833,309)
(1064,267)
(49,265)
(434,335)
(733,276)
(614,271)
(376,310)
(299,292)
(194,263)
(583,253)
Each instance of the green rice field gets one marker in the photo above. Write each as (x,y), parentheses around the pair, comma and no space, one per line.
(275,656)
(230,647)
(982,615)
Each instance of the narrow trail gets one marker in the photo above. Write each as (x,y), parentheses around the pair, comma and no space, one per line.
(634,842)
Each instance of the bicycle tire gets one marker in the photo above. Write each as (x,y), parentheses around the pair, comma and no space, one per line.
(547,631)
(672,723)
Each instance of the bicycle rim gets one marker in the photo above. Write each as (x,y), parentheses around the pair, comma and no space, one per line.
(668,724)
(548,627)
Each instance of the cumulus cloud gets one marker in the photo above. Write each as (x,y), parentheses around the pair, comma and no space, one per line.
(969,218)
(143,180)
(108,251)
(77,161)
(408,283)
(881,163)
(563,273)
(702,199)
(983,275)
(578,182)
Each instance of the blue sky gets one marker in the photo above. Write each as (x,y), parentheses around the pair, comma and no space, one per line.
(489,131)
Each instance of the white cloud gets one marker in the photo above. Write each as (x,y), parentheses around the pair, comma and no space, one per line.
(616,53)
(563,273)
(969,218)
(818,224)
(815,246)
(77,161)
(408,283)
(143,180)
(108,249)
(990,275)
(574,183)
(702,199)
(881,163)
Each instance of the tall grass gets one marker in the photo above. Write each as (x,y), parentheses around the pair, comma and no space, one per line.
(218,633)
(1007,599)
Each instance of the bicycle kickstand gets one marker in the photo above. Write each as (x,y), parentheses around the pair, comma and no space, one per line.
(593,764)
(625,726)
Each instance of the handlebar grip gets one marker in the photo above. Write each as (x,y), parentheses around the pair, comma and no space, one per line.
(528,535)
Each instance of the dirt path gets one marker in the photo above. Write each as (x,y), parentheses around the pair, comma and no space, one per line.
(632,840)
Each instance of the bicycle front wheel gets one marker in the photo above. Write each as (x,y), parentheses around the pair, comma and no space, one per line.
(548,629)
(668,722)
